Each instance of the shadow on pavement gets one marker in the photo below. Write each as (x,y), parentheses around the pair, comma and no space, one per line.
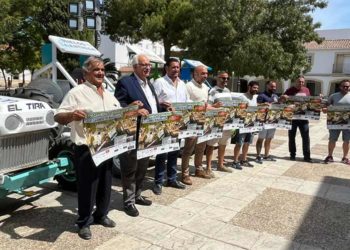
(326,224)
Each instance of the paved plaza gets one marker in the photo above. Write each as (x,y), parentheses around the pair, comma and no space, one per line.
(277,205)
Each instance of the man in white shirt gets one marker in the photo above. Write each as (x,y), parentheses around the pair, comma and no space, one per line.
(245,139)
(94,183)
(169,89)
(198,92)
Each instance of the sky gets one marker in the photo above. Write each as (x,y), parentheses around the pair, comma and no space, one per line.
(335,16)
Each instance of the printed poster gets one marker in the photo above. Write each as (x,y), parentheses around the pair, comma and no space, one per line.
(193,118)
(110,133)
(254,117)
(338,117)
(214,121)
(306,107)
(159,134)
(231,106)
(279,116)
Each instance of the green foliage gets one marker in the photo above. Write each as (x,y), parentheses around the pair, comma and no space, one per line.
(253,37)
(157,20)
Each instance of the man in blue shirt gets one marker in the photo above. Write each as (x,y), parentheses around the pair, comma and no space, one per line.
(269,97)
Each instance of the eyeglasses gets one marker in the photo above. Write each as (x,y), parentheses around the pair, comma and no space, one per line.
(143,65)
(225,78)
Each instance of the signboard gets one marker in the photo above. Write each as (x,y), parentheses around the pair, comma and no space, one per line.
(110,133)
(338,117)
(306,107)
(67,45)
(158,134)
(254,117)
(193,118)
(214,121)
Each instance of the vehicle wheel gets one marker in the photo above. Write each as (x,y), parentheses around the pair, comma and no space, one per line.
(116,167)
(63,147)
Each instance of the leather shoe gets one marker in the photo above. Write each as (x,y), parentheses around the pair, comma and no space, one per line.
(157,189)
(85,233)
(143,201)
(131,210)
(186,180)
(292,158)
(106,222)
(309,160)
(201,174)
(176,184)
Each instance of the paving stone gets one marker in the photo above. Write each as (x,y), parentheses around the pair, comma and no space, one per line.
(272,242)
(181,239)
(188,205)
(339,193)
(149,230)
(218,213)
(314,188)
(124,241)
(231,204)
(171,216)
(204,226)
(238,236)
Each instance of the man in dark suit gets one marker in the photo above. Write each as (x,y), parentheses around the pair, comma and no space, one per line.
(136,89)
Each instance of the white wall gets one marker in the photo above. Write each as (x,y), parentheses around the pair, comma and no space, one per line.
(323,61)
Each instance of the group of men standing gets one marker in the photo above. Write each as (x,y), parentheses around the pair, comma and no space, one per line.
(94,183)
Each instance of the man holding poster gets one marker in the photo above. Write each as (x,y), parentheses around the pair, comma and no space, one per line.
(169,89)
(338,99)
(94,183)
(136,89)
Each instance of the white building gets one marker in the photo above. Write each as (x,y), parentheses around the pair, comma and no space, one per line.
(119,53)
(330,61)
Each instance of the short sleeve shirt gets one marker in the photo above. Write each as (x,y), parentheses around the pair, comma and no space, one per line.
(85,97)
(197,92)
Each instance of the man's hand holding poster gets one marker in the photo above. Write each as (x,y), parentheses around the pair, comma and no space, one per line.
(110,133)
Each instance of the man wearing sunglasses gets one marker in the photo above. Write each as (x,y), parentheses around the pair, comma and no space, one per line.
(219,91)
(340,98)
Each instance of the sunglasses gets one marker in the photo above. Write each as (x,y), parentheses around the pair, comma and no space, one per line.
(225,78)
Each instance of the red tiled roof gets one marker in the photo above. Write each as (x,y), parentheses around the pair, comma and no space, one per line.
(329,44)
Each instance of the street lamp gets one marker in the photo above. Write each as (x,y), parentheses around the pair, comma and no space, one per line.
(88,14)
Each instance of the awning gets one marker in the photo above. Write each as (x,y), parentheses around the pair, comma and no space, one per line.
(150,54)
(194,63)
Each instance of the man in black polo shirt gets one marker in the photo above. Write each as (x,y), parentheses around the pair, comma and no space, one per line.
(269,97)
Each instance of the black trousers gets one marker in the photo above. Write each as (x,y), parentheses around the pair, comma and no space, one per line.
(303,126)
(94,186)
(133,173)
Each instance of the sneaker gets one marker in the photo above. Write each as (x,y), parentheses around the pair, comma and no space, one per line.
(246,164)
(258,159)
(345,161)
(269,158)
(237,165)
(224,169)
(328,159)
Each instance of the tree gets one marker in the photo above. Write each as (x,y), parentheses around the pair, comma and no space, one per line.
(18,35)
(157,20)
(253,37)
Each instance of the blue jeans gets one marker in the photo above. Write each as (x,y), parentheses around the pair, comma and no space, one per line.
(171,167)
(303,126)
